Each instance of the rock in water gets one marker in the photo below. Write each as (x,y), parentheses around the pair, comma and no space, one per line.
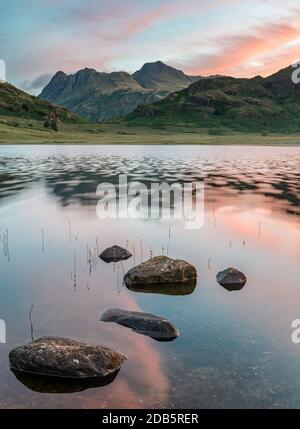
(63,357)
(115,254)
(161,271)
(156,327)
(231,279)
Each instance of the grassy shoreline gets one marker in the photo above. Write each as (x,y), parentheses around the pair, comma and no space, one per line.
(33,132)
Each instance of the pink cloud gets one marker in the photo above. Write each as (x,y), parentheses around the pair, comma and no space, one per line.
(236,53)
(122,21)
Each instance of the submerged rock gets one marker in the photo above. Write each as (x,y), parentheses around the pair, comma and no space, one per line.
(153,326)
(176,289)
(66,358)
(161,271)
(54,384)
(115,254)
(231,279)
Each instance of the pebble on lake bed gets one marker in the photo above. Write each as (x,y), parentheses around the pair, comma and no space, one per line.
(153,326)
(231,279)
(115,254)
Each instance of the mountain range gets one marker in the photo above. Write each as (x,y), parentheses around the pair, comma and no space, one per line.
(257,104)
(159,96)
(101,96)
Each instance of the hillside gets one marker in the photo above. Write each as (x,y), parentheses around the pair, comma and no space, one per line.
(19,104)
(226,103)
(102,96)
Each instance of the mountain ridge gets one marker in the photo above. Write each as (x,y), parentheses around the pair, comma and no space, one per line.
(155,76)
(100,96)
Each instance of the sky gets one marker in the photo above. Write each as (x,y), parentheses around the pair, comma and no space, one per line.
(240,38)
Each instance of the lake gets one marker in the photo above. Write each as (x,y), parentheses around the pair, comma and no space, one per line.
(234,348)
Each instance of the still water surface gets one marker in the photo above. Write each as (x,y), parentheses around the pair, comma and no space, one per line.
(235,348)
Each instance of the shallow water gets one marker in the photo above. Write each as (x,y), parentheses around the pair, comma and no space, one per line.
(235,348)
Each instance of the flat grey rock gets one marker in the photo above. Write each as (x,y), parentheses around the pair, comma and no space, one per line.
(67,358)
(153,326)
(231,279)
(160,271)
(115,254)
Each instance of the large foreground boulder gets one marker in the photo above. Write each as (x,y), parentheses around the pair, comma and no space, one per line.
(231,279)
(161,271)
(153,326)
(115,254)
(67,358)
